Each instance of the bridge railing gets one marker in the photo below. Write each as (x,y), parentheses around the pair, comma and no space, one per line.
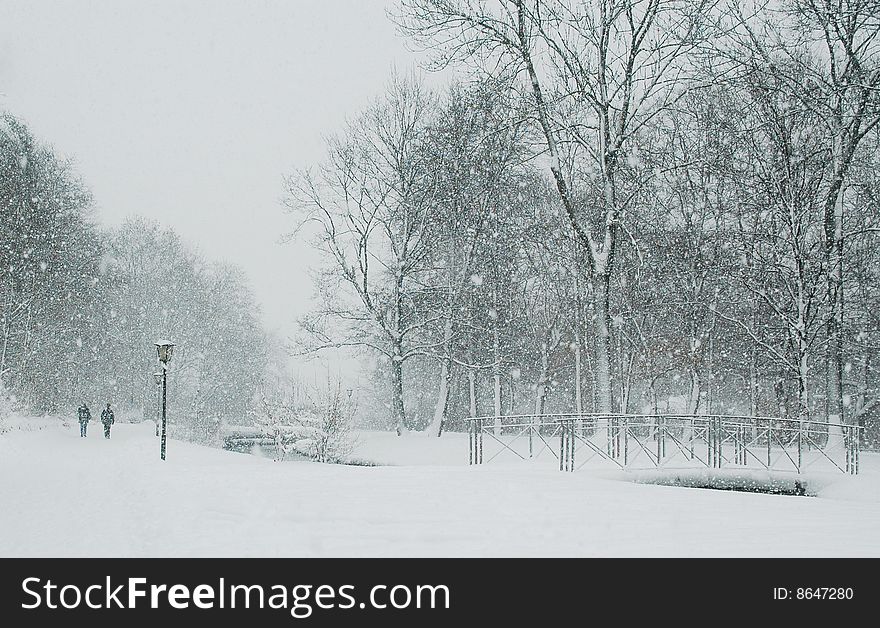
(631,441)
(523,437)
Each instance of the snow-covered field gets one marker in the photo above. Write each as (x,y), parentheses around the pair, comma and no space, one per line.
(67,496)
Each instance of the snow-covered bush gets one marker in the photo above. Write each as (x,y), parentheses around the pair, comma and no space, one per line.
(272,414)
(319,428)
(328,426)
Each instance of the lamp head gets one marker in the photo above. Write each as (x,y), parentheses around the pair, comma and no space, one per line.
(165,349)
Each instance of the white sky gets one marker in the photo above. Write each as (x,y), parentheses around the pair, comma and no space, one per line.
(191,112)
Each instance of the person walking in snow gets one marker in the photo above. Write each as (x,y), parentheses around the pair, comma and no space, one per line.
(107,419)
(84,416)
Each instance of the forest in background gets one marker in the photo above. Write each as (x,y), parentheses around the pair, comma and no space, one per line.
(622,206)
(81,307)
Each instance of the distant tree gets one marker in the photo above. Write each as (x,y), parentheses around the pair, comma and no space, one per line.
(824,58)
(597,72)
(49,282)
(476,149)
(371,207)
(159,288)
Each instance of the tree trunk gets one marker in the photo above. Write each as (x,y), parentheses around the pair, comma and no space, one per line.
(578,395)
(601,255)
(833,231)
(803,401)
(652,395)
(753,366)
(439,420)
(862,404)
(781,398)
(397,409)
(541,389)
(5,347)
(604,398)
(802,348)
(442,405)
(496,372)
(710,375)
(627,360)
(696,388)
(472,391)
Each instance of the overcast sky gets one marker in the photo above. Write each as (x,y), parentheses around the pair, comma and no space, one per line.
(191,112)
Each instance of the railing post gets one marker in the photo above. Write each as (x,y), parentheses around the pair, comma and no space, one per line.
(714,422)
(709,462)
(562,444)
(617,423)
(858,445)
(665,427)
(531,428)
(851,434)
(659,436)
(800,443)
(609,436)
(480,443)
(736,443)
(710,441)
(715,437)
(769,442)
(470,428)
(691,436)
(847,447)
(625,441)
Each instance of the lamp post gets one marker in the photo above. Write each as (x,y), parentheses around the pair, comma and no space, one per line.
(157,377)
(165,349)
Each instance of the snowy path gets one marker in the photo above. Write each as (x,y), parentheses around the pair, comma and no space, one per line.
(65,496)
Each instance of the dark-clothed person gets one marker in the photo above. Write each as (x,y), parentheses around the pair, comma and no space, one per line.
(84,417)
(107,419)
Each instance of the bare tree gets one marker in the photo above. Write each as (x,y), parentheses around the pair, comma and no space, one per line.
(371,205)
(598,72)
(476,151)
(826,57)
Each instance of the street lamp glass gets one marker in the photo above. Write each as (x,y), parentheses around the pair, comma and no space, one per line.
(165,349)
(157,377)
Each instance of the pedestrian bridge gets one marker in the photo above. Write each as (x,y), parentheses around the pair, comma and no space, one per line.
(671,441)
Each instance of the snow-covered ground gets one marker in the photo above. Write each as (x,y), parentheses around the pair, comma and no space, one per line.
(67,496)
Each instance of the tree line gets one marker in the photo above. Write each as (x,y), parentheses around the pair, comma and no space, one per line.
(620,206)
(81,307)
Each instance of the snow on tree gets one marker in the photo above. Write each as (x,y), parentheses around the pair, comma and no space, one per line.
(319,425)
